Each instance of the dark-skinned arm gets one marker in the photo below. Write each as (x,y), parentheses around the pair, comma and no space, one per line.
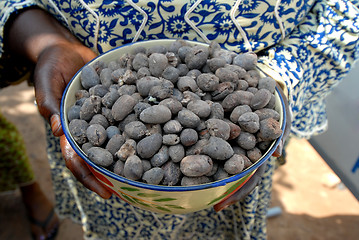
(57,54)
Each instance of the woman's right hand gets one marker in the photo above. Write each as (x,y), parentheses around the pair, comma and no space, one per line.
(80,170)
(57,55)
(54,69)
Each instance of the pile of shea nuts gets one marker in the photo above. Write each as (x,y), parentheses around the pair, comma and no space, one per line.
(177,116)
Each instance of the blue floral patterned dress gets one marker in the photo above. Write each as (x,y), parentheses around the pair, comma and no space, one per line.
(307,46)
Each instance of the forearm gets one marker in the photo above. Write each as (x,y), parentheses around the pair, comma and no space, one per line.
(32,31)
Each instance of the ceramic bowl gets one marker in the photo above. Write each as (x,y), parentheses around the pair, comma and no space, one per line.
(157,198)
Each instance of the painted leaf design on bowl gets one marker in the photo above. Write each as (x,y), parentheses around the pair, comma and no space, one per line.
(163,209)
(148,195)
(130,189)
(164,199)
(174,206)
(149,203)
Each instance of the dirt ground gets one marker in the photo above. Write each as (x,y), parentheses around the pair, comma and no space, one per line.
(314,204)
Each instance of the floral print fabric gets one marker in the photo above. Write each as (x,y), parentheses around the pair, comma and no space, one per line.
(309,46)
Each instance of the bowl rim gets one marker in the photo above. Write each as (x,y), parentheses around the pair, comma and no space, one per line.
(138,184)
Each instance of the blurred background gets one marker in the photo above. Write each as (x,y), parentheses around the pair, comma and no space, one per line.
(314,193)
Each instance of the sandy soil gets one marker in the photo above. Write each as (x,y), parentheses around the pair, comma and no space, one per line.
(314,204)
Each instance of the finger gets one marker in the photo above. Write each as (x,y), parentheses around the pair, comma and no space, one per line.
(287,122)
(48,104)
(278,150)
(85,176)
(81,171)
(243,191)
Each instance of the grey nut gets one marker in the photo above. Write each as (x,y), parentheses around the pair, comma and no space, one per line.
(160,157)
(118,168)
(145,84)
(77,128)
(122,107)
(153,176)
(238,111)
(247,60)
(90,107)
(74,112)
(157,63)
(254,154)
(187,83)
(89,77)
(148,146)
(170,139)
(216,111)
(188,137)
(234,165)
(267,83)
(196,165)
(96,134)
(115,143)
(218,128)
(197,57)
(249,122)
(220,174)
(235,99)
(267,113)
(140,60)
(133,168)
(156,114)
(260,99)
(269,129)
(127,149)
(176,152)
(172,126)
(172,173)
(188,119)
(173,104)
(199,107)
(135,130)
(207,82)
(246,140)
(217,148)
(99,119)
(100,156)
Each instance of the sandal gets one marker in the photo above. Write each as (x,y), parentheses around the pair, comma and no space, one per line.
(44,224)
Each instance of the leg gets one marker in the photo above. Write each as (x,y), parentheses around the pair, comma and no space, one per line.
(15,171)
(44,222)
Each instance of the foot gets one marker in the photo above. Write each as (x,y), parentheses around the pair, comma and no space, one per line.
(43,220)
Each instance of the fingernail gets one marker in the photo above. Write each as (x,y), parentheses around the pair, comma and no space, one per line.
(278,150)
(55,122)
